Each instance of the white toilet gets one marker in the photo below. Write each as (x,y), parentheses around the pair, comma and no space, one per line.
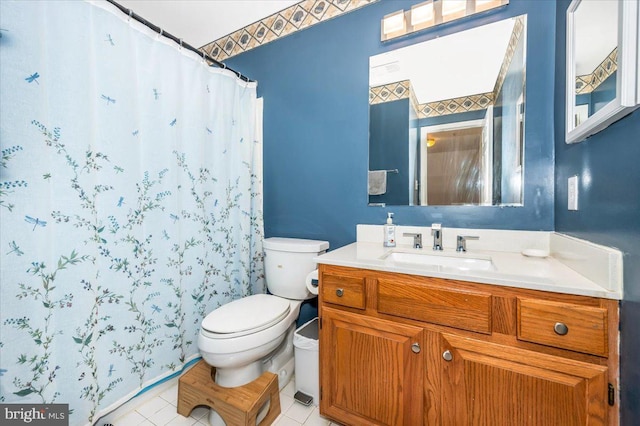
(248,336)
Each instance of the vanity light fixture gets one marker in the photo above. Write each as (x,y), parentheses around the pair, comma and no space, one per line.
(453,9)
(430,13)
(422,15)
(482,5)
(394,25)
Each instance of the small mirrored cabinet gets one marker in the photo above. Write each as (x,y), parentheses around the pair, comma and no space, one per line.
(603,78)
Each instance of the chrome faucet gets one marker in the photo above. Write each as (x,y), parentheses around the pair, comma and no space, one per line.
(461,242)
(417,239)
(436,230)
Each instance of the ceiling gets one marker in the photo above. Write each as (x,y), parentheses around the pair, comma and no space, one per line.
(199,22)
(596,33)
(460,64)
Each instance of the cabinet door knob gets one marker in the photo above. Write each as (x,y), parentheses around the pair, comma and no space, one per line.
(339,292)
(561,328)
(415,348)
(447,355)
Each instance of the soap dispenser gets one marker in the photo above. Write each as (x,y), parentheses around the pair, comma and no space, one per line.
(389,232)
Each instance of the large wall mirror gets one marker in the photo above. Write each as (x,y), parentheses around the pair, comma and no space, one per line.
(447,119)
(602,61)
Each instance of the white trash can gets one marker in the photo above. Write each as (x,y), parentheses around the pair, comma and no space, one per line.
(305,343)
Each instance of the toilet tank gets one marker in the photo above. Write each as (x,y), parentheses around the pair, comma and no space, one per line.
(287,263)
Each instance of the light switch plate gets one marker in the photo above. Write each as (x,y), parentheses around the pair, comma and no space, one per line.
(572,193)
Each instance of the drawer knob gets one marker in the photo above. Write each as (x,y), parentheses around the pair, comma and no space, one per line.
(447,355)
(415,348)
(561,328)
(339,292)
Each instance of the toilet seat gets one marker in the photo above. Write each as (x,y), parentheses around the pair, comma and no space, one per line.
(245,316)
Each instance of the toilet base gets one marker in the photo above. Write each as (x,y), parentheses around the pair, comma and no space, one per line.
(234,377)
(281,361)
(236,406)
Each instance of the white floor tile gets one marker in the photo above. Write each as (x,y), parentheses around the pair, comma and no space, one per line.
(171,395)
(299,412)
(286,421)
(129,419)
(182,421)
(285,402)
(147,423)
(152,406)
(164,416)
(200,413)
(315,419)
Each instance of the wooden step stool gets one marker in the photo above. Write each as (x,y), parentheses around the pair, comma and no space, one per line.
(237,406)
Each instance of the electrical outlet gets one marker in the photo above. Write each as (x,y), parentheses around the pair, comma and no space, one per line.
(572,193)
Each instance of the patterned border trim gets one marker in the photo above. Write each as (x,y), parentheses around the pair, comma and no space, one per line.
(456,105)
(589,82)
(402,90)
(294,18)
(390,92)
(518,29)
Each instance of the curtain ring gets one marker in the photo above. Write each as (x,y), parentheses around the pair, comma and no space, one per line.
(180,43)
(130,15)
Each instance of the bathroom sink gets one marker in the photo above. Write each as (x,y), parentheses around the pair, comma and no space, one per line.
(462,262)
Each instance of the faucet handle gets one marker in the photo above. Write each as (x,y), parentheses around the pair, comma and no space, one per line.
(462,241)
(436,231)
(417,238)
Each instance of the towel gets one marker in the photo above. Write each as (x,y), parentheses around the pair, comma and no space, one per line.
(377,182)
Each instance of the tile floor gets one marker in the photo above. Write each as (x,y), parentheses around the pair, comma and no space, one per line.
(158,407)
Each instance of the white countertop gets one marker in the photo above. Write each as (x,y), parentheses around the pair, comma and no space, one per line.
(512,269)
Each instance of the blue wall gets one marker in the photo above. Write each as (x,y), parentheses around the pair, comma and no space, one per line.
(598,98)
(315,88)
(609,212)
(389,133)
(604,93)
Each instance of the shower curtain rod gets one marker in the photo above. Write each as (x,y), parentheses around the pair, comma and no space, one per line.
(179,41)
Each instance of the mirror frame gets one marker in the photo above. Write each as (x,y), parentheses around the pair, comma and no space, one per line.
(627,85)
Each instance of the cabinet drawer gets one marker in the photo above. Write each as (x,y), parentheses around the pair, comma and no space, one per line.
(345,291)
(563,325)
(462,309)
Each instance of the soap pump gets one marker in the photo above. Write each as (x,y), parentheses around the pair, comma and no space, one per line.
(389,232)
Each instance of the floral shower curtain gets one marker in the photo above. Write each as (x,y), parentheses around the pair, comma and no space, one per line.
(130,203)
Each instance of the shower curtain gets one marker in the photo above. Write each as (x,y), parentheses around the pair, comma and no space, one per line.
(130,203)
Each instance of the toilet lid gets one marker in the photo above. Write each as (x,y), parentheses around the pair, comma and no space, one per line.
(247,315)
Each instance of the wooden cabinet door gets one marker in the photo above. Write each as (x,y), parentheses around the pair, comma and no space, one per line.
(371,370)
(490,384)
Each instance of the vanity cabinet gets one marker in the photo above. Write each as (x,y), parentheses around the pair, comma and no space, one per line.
(372,369)
(489,384)
(400,349)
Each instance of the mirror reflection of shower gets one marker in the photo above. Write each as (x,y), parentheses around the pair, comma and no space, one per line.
(453,167)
